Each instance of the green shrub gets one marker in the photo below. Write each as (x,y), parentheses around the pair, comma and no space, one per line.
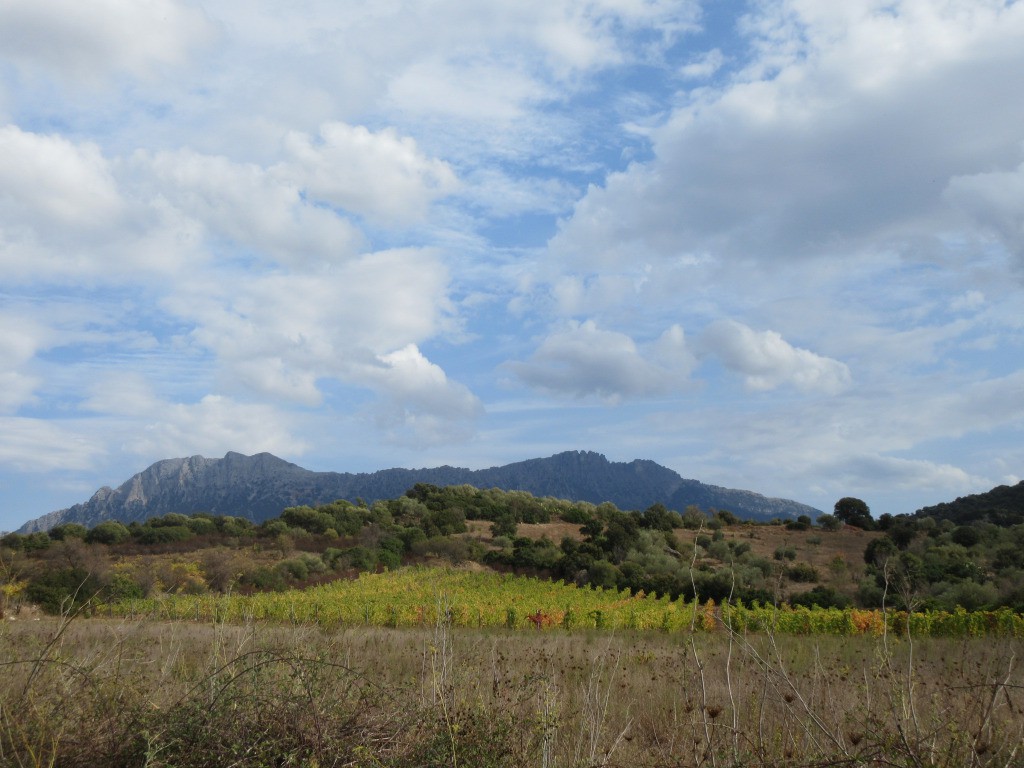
(785,553)
(803,573)
(61,589)
(202,526)
(163,534)
(68,531)
(109,532)
(294,568)
(822,597)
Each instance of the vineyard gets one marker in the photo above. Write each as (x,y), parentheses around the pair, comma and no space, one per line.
(420,596)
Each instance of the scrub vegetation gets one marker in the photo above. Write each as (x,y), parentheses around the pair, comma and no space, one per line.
(78,692)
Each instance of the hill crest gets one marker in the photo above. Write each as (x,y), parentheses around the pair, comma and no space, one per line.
(261,486)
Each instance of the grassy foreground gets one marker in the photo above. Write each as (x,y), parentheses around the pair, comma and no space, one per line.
(89,692)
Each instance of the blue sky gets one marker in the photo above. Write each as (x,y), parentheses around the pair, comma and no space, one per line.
(772,245)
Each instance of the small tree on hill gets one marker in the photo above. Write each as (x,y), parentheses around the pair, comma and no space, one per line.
(855,512)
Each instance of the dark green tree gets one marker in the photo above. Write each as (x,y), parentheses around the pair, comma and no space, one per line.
(855,512)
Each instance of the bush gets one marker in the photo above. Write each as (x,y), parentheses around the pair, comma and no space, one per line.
(830,522)
(576,515)
(504,525)
(109,532)
(123,587)
(785,553)
(264,579)
(822,597)
(234,526)
(170,519)
(202,526)
(966,536)
(68,531)
(739,548)
(720,551)
(454,550)
(803,573)
(727,517)
(36,542)
(693,518)
(62,589)
(163,534)
(294,568)
(308,519)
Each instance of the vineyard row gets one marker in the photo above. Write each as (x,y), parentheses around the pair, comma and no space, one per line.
(420,596)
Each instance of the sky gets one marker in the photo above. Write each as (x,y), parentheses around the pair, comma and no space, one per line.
(775,245)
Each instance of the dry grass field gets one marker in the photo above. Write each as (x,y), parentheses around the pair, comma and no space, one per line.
(100,692)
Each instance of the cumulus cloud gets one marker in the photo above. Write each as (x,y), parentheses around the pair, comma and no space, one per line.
(46,181)
(245,204)
(215,425)
(83,41)
(768,361)
(829,143)
(419,403)
(584,360)
(280,333)
(152,425)
(379,175)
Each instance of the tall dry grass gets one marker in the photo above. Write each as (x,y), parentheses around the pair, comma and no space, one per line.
(92,692)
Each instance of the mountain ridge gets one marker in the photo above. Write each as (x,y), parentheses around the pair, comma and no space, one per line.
(262,485)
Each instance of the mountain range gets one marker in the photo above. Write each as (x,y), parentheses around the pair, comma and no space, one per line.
(259,487)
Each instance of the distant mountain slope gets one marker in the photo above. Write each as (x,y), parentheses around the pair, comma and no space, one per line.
(1003,505)
(261,486)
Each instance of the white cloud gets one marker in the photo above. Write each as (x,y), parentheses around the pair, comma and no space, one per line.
(42,445)
(703,66)
(768,361)
(419,403)
(84,41)
(215,425)
(872,471)
(584,360)
(17,346)
(831,143)
(47,181)
(482,92)
(151,425)
(378,175)
(246,204)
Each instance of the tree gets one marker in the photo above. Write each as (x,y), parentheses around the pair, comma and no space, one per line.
(829,522)
(658,517)
(107,532)
(855,512)
(505,525)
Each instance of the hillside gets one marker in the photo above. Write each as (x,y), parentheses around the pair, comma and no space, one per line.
(1003,505)
(259,487)
(911,562)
